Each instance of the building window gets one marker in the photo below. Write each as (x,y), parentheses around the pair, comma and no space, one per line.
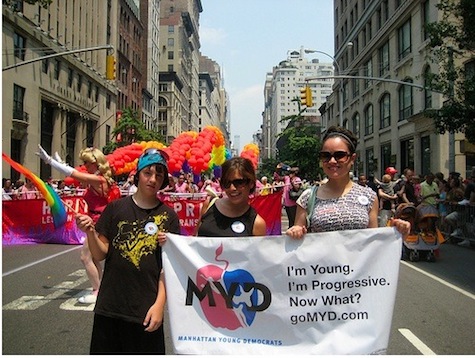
(425,18)
(405,101)
(108,101)
(19,46)
(368,120)
(385,10)
(427,92)
(369,160)
(356,125)
(171,41)
(385,110)
(407,153)
(79,83)
(108,133)
(57,67)
(170,55)
(170,68)
(44,66)
(368,72)
(386,156)
(425,155)
(404,40)
(70,77)
(171,29)
(18,99)
(384,59)
(97,94)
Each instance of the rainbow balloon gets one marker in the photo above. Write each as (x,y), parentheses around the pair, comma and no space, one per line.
(52,198)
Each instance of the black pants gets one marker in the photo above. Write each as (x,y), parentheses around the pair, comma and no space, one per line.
(291,212)
(115,336)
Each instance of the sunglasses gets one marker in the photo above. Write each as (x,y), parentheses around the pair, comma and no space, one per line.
(238,183)
(340,156)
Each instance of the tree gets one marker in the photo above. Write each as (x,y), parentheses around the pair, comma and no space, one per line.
(130,129)
(453,37)
(300,145)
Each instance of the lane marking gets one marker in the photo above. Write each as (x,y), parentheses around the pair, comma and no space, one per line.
(34,302)
(438,279)
(39,261)
(416,342)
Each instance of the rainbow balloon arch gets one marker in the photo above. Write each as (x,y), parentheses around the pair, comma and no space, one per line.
(190,152)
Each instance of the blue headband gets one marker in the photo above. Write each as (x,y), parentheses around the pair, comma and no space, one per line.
(151,156)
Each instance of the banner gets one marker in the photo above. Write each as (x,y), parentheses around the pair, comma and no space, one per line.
(330,293)
(270,208)
(188,207)
(29,221)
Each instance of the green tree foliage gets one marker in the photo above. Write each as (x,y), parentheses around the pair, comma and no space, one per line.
(130,129)
(301,145)
(452,38)
(267,168)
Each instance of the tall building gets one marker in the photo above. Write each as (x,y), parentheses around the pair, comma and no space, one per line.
(150,17)
(63,103)
(131,64)
(282,95)
(179,66)
(213,97)
(386,40)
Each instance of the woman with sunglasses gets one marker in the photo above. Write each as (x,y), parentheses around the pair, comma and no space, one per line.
(100,190)
(340,203)
(130,306)
(232,215)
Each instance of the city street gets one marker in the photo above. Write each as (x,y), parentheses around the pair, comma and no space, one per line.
(41,283)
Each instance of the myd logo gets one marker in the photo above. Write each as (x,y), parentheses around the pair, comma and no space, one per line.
(229,299)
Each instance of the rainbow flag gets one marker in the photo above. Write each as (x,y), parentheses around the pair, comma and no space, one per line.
(52,198)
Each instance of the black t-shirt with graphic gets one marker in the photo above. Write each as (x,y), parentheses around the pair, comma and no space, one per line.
(133,263)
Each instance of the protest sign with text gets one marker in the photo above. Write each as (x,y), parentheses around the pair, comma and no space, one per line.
(330,293)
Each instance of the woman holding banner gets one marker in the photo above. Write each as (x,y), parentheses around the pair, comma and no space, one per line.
(339,204)
(101,189)
(130,306)
(232,215)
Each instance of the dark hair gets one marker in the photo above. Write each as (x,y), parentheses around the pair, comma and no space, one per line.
(165,178)
(344,133)
(243,166)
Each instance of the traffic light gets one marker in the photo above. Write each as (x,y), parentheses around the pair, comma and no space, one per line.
(309,96)
(110,67)
(306,96)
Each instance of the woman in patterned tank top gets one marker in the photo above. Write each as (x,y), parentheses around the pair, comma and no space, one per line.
(340,203)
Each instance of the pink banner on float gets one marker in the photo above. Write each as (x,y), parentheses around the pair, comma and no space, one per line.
(188,208)
(30,222)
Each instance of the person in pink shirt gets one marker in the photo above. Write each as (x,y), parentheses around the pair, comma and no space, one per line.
(289,204)
(182,186)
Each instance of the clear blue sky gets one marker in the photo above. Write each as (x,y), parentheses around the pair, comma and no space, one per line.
(248,37)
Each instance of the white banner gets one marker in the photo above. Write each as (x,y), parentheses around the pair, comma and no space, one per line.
(330,293)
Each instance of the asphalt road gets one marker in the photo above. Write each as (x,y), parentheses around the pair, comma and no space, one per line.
(41,283)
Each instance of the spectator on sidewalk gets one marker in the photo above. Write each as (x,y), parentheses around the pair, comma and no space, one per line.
(429,191)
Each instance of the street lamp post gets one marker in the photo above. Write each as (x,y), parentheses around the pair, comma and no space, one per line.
(340,100)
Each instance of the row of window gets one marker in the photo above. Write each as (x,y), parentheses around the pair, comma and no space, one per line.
(406,109)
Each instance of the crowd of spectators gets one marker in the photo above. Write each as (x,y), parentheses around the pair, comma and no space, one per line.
(25,189)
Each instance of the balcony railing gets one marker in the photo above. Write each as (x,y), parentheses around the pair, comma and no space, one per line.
(21,115)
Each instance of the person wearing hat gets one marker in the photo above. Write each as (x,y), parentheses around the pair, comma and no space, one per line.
(128,315)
